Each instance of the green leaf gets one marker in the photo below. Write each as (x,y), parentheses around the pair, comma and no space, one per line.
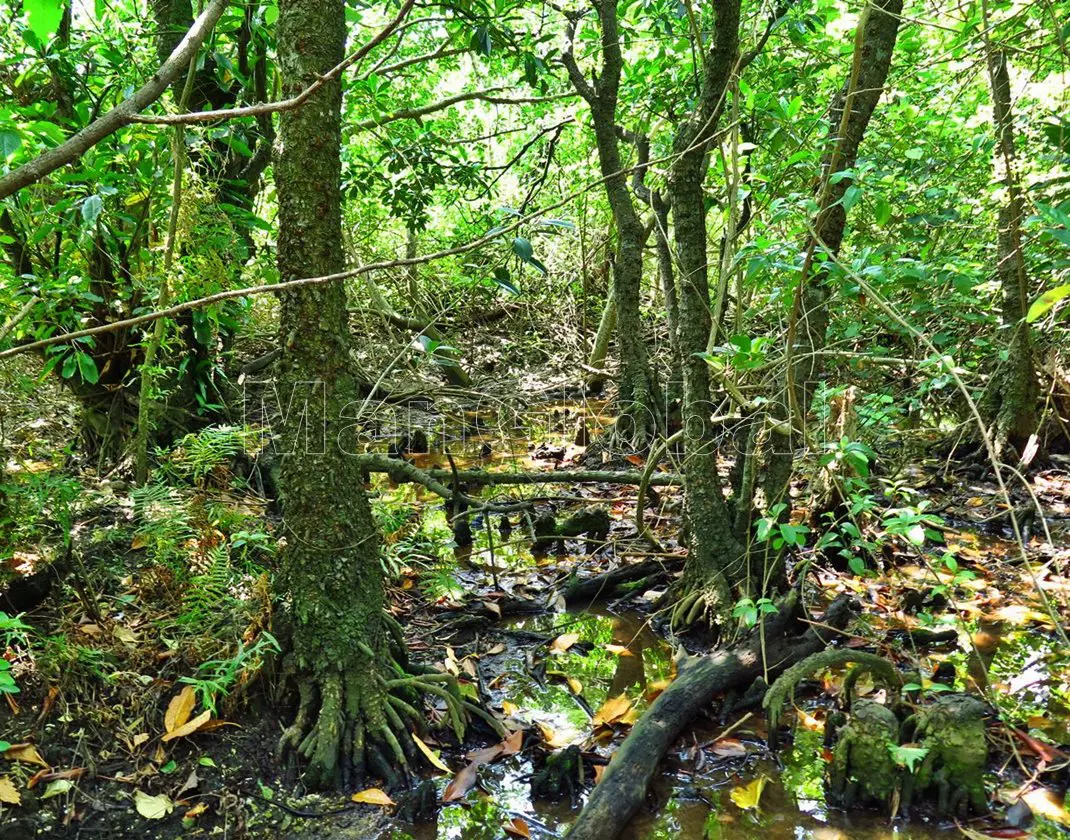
(882,210)
(906,756)
(44,17)
(9,143)
(70,365)
(522,248)
(87,368)
(91,208)
(914,154)
(502,279)
(851,196)
(271,13)
(1046,301)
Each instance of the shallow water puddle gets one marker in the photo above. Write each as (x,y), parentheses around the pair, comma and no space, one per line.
(610,655)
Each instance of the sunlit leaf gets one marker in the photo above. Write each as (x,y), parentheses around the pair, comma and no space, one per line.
(189,727)
(748,796)
(8,794)
(26,753)
(463,782)
(373,796)
(612,710)
(564,642)
(435,761)
(180,708)
(153,807)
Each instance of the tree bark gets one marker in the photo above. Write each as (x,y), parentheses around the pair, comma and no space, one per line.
(716,564)
(1010,403)
(637,397)
(329,569)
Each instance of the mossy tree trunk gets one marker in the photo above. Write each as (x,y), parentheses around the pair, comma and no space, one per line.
(716,567)
(347,653)
(640,414)
(875,39)
(1010,403)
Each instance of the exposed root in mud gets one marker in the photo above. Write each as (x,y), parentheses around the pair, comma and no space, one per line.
(360,720)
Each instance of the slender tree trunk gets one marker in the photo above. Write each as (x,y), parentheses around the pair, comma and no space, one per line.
(637,395)
(607,324)
(875,39)
(330,570)
(1010,403)
(716,564)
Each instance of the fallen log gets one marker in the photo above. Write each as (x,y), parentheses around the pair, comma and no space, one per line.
(605,585)
(623,787)
(404,471)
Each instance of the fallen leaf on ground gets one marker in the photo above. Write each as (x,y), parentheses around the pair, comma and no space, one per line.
(179,709)
(599,772)
(564,642)
(748,796)
(574,685)
(461,783)
(517,827)
(728,747)
(619,650)
(553,739)
(654,689)
(189,727)
(153,807)
(429,754)
(509,708)
(1046,803)
(612,710)
(196,810)
(373,796)
(8,794)
(56,788)
(26,753)
(492,608)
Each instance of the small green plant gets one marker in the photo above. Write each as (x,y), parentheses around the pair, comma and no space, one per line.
(780,533)
(217,677)
(13,631)
(907,756)
(912,523)
(748,610)
(7,682)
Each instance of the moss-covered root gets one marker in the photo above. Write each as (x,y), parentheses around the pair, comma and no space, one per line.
(783,690)
(705,603)
(952,731)
(357,722)
(863,768)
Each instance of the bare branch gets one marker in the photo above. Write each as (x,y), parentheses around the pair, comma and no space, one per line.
(476,95)
(285,104)
(122,114)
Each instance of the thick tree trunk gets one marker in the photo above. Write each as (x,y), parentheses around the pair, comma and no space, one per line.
(716,564)
(1010,403)
(330,570)
(874,44)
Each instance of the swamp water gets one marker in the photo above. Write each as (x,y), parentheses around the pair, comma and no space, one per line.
(691,798)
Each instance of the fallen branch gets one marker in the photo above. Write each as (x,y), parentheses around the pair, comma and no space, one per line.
(622,789)
(404,471)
